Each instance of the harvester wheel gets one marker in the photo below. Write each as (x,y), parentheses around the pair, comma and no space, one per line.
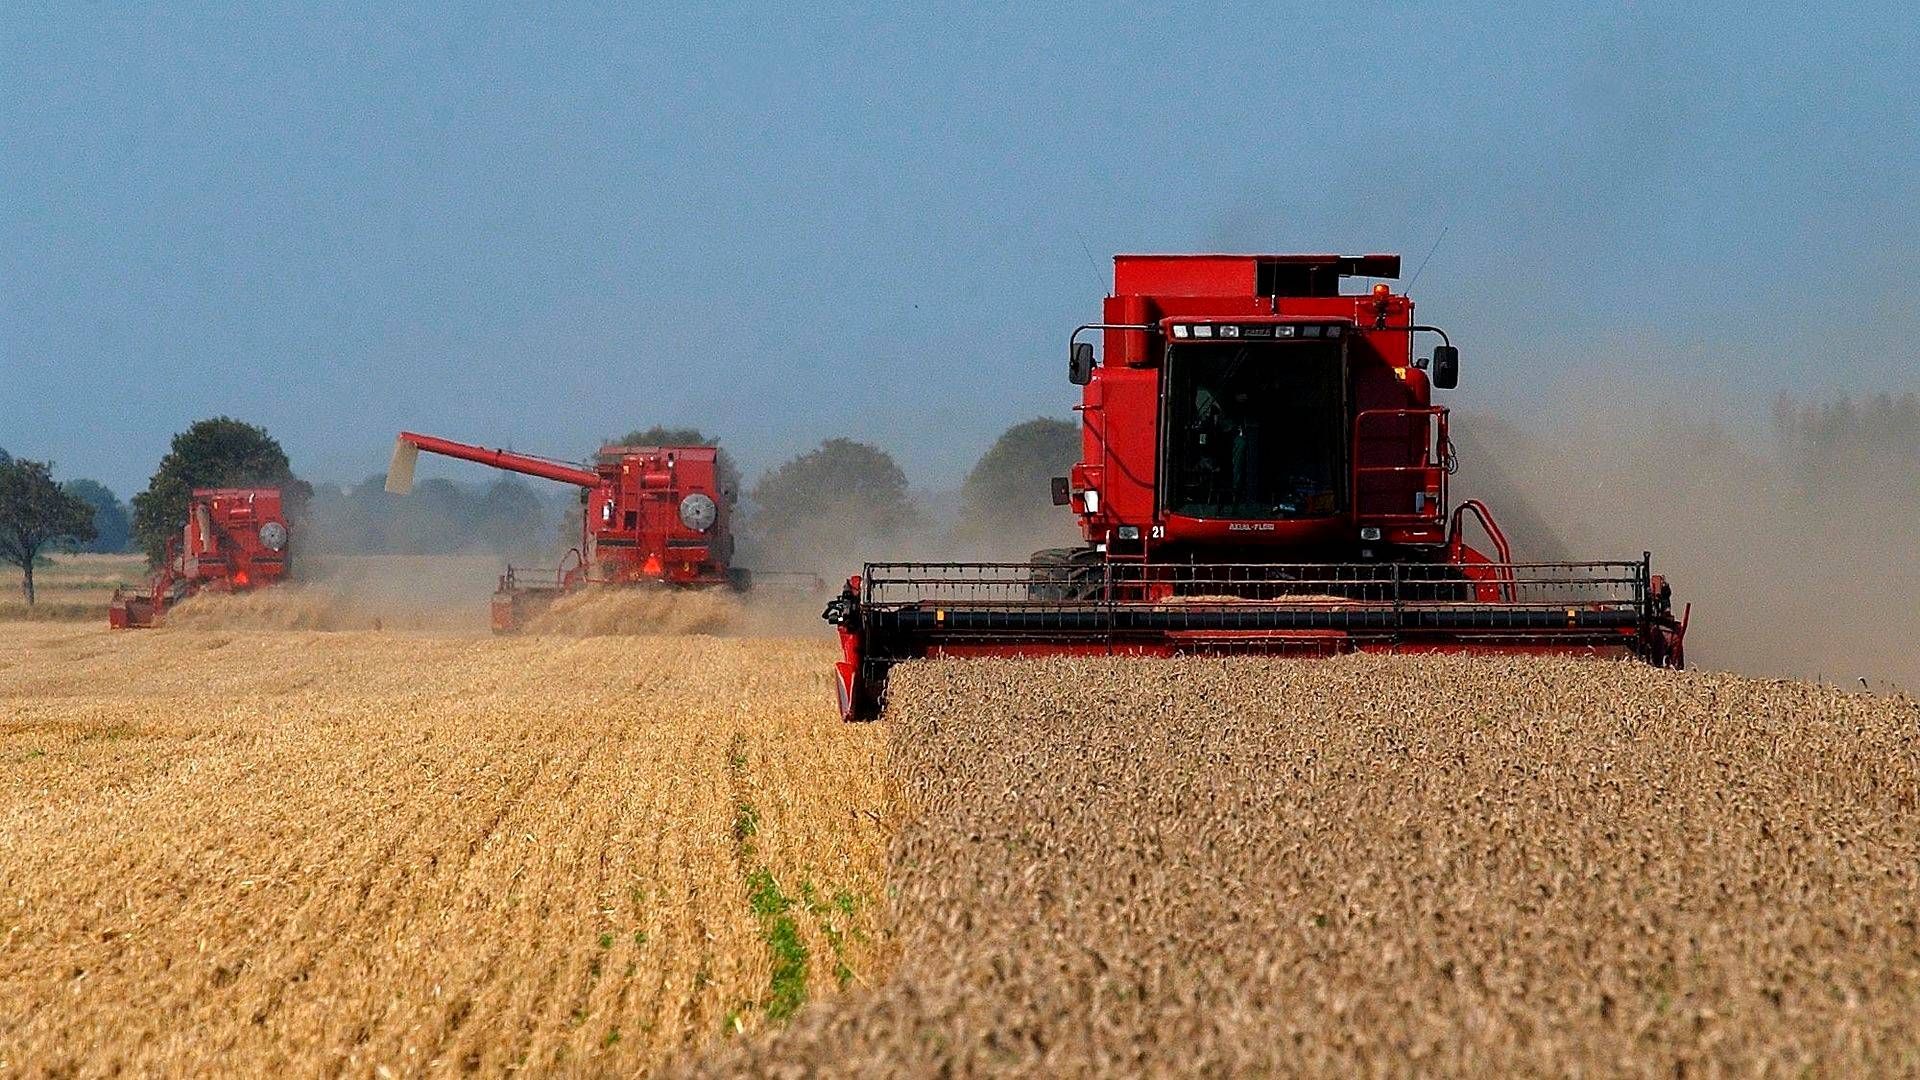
(1063,574)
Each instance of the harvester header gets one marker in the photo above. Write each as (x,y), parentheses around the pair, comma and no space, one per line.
(1263,470)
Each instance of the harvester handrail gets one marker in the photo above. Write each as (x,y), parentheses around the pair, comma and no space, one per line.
(1613,585)
(984,564)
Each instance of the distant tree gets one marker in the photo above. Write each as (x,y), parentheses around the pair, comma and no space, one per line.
(845,485)
(337,523)
(439,517)
(112,527)
(433,519)
(1833,448)
(35,513)
(221,452)
(1008,492)
(658,435)
(510,518)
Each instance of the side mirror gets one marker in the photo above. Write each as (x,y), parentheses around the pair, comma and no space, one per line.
(1080,363)
(1446,367)
(1062,495)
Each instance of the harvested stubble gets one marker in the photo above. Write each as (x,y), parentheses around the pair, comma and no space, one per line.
(323,853)
(1393,866)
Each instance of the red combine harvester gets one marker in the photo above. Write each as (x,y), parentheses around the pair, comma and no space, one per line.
(652,515)
(236,539)
(1264,472)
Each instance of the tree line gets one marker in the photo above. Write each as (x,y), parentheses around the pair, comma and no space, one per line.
(805,509)
(816,510)
(112,520)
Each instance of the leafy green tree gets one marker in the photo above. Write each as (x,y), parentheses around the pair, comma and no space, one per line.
(112,527)
(439,517)
(1008,494)
(509,517)
(221,452)
(808,510)
(659,435)
(432,519)
(35,513)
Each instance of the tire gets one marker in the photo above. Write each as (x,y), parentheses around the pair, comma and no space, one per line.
(1062,574)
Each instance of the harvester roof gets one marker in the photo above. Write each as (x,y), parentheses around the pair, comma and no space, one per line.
(685,453)
(1244,275)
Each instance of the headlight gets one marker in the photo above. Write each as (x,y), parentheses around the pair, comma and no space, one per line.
(697,512)
(273,535)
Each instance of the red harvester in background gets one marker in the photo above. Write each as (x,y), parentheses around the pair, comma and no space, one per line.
(1263,471)
(651,515)
(235,539)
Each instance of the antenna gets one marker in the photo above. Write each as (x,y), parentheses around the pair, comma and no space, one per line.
(1098,280)
(1430,251)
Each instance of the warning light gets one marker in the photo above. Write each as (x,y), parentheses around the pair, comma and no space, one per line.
(1382,289)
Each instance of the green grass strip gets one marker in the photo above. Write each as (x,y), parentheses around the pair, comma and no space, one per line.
(788,990)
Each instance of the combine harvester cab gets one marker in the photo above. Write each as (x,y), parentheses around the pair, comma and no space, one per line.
(651,516)
(235,540)
(1263,472)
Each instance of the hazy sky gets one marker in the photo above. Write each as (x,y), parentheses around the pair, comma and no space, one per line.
(780,225)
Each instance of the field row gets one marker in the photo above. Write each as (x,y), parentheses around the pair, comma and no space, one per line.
(302,852)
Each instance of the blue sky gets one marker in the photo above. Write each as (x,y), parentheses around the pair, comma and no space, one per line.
(782,225)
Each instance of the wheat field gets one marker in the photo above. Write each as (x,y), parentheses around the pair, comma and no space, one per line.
(1380,866)
(269,851)
(300,853)
(70,587)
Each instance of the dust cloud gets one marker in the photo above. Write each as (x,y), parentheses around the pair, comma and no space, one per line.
(427,561)
(442,594)
(1791,533)
(286,607)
